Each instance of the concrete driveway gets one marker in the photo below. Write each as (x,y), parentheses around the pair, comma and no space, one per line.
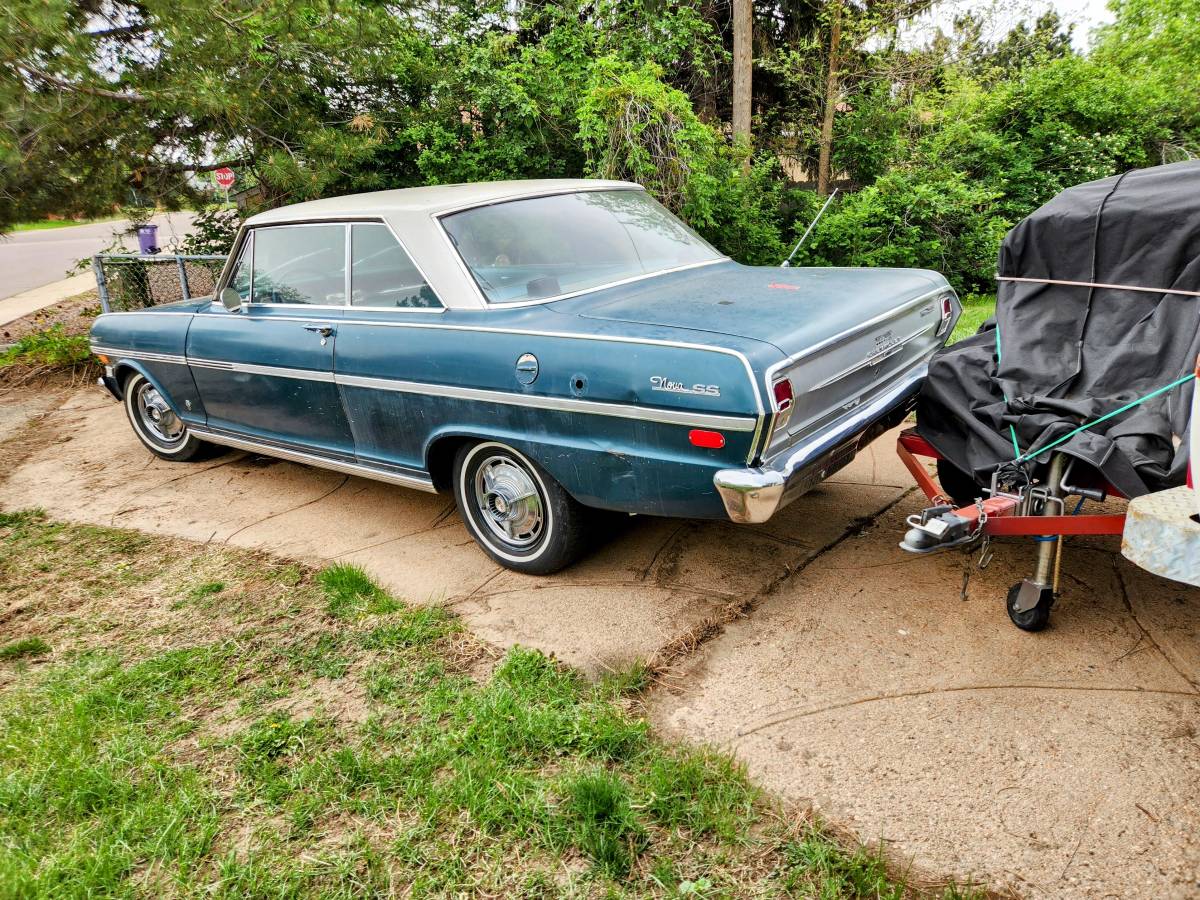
(889,692)
(30,259)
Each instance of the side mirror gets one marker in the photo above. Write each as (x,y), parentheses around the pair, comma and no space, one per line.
(231,299)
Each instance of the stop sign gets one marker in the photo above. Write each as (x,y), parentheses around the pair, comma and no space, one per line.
(224,177)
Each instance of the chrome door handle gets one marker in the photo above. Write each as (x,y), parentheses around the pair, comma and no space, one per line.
(323,330)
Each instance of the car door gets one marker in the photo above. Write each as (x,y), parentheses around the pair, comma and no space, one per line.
(377,365)
(266,372)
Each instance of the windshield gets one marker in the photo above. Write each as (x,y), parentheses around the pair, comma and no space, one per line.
(546,246)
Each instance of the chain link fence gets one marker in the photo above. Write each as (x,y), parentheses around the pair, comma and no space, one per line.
(128,282)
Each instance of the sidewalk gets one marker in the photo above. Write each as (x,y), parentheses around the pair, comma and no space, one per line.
(20,305)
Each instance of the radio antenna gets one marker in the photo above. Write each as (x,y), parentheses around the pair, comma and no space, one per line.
(811,225)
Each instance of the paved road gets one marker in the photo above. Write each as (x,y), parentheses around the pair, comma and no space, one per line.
(30,259)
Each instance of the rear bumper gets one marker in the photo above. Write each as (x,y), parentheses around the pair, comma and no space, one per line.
(754,495)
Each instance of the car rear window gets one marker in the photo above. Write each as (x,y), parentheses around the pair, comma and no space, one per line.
(544,247)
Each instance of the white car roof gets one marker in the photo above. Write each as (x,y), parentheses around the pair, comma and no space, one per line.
(412,215)
(430,200)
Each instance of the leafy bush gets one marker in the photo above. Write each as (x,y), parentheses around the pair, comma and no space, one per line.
(213,231)
(913,219)
(53,348)
(636,127)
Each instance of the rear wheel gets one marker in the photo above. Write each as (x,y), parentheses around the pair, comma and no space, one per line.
(157,425)
(518,514)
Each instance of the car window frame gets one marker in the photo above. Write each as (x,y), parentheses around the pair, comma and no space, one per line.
(441,304)
(247,234)
(274,226)
(518,304)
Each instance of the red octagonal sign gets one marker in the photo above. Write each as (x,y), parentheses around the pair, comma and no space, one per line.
(224,177)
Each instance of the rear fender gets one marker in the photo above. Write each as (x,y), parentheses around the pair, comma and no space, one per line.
(600,474)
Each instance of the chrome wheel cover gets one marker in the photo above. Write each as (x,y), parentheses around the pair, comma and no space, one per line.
(156,415)
(508,501)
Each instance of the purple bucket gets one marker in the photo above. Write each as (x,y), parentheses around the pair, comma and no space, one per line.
(147,239)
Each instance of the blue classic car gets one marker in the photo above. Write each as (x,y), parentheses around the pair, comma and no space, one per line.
(540,349)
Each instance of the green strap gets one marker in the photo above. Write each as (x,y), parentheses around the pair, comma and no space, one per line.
(1012,431)
(1116,412)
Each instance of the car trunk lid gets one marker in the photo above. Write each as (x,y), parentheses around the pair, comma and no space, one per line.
(790,308)
(845,333)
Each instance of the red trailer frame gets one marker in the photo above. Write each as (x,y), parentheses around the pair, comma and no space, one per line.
(1029,601)
(1001,511)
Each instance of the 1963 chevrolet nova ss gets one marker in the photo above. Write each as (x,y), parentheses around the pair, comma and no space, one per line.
(537,348)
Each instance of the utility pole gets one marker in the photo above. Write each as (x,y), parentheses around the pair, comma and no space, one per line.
(743,68)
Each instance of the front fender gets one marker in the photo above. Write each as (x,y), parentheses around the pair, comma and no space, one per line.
(123,369)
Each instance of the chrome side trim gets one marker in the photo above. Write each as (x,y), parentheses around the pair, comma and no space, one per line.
(558,404)
(312,459)
(653,342)
(141,355)
(252,369)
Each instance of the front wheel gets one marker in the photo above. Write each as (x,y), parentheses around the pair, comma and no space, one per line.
(156,424)
(518,514)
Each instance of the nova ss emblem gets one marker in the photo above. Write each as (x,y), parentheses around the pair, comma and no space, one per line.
(659,383)
(885,345)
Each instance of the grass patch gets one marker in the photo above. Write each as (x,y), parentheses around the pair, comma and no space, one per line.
(47,224)
(51,348)
(977,308)
(207,589)
(351,593)
(25,647)
(317,737)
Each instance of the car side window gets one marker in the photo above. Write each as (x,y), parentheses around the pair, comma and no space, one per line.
(239,278)
(382,274)
(303,264)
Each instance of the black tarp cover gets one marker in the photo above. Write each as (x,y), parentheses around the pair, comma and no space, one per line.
(1069,355)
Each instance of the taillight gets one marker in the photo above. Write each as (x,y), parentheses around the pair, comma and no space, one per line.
(783,395)
(710,440)
(784,400)
(947,313)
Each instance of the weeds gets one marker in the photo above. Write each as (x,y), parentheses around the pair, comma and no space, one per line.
(23,648)
(52,348)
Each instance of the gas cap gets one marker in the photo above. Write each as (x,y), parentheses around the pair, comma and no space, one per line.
(527,368)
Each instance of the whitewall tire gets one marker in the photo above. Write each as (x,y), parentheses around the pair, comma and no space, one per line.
(157,425)
(518,514)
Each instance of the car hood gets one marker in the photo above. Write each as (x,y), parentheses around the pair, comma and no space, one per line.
(790,308)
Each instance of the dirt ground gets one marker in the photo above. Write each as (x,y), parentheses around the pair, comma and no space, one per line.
(888,691)
(74,315)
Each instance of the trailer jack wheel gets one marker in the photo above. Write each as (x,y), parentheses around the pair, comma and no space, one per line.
(1027,616)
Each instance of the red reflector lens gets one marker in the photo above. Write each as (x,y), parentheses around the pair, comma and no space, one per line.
(947,308)
(712,440)
(783,395)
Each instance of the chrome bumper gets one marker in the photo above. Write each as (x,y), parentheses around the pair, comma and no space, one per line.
(754,495)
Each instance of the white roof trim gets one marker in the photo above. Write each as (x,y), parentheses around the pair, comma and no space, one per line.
(413,216)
